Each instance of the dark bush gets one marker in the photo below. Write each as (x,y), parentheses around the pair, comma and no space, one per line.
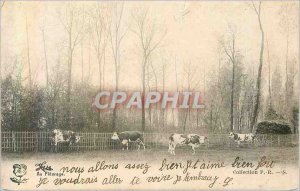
(273,127)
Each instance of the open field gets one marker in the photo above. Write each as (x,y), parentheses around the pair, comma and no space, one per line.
(288,155)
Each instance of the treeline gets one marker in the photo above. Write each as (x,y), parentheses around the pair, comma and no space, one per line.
(39,107)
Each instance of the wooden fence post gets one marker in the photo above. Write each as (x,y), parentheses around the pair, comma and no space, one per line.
(94,141)
(271,140)
(36,141)
(14,140)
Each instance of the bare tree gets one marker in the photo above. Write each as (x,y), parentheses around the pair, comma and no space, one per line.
(191,83)
(2,5)
(269,76)
(189,75)
(231,52)
(99,32)
(146,32)
(164,72)
(177,89)
(73,26)
(28,54)
(45,55)
(149,89)
(287,24)
(117,34)
(156,89)
(89,59)
(257,10)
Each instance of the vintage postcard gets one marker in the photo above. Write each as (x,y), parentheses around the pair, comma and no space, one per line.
(149,95)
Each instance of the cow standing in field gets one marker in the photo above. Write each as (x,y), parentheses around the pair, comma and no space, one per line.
(61,136)
(238,138)
(129,136)
(192,140)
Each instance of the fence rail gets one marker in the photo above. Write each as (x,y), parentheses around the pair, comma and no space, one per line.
(41,141)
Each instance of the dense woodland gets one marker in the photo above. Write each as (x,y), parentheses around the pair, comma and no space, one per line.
(237,93)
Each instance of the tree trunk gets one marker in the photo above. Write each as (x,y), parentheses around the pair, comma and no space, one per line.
(155,120)
(99,57)
(114,119)
(184,123)
(163,89)
(28,55)
(149,89)
(286,69)
(115,44)
(143,94)
(46,60)
(269,76)
(232,95)
(68,112)
(81,61)
(258,82)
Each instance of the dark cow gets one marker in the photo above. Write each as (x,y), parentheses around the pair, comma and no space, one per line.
(63,136)
(238,138)
(192,140)
(129,136)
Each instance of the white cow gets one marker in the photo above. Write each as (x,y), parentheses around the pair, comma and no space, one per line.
(63,136)
(129,136)
(192,140)
(238,138)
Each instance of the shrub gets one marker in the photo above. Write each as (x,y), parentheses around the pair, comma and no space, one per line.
(273,127)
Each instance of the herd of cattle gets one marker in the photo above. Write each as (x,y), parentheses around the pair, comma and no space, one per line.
(126,137)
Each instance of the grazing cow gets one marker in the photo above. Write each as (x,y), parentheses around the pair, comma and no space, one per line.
(238,138)
(61,136)
(192,140)
(129,136)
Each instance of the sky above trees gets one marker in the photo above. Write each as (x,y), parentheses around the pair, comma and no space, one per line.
(192,39)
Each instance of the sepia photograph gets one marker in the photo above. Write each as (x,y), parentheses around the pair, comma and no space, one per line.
(149,95)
